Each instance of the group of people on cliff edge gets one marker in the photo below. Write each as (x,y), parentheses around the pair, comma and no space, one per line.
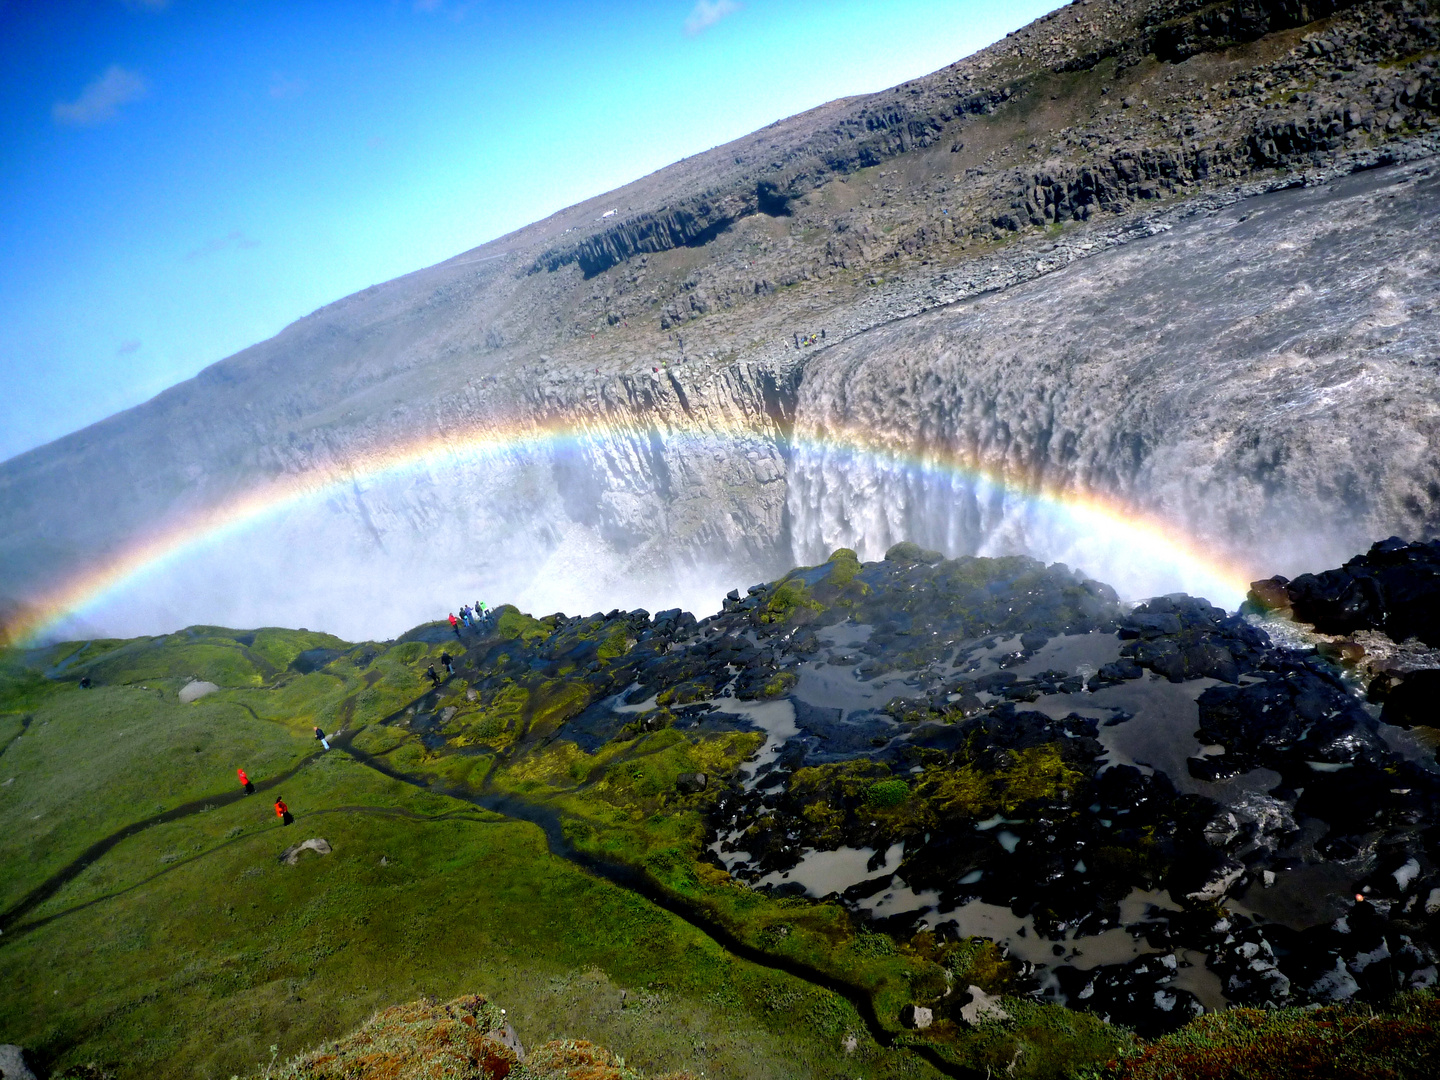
(476,618)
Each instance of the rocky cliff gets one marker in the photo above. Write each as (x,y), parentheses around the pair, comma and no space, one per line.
(970,262)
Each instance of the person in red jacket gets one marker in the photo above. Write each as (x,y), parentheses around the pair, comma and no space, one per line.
(282,811)
(455,625)
(245,782)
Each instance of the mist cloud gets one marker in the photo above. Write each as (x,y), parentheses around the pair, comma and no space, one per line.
(101,100)
(707,13)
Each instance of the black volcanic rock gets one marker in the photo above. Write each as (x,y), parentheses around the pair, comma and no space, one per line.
(1416,700)
(965,768)
(1140,994)
(1393,588)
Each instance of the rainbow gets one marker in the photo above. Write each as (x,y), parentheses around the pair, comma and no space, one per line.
(1090,512)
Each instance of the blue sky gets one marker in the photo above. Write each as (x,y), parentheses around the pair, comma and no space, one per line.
(182,178)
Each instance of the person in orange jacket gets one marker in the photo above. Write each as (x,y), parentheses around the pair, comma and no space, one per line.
(245,782)
(282,811)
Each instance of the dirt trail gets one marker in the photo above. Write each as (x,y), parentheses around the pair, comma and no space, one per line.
(51,885)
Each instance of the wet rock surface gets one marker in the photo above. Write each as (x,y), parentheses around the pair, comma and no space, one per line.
(1394,588)
(1150,810)
(1388,603)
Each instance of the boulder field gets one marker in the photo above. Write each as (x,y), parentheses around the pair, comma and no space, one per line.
(1146,811)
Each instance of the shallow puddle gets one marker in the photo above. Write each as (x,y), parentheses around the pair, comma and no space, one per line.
(825,872)
(900,899)
(828,686)
(1161,737)
(1114,946)
(1312,895)
(1194,976)
(1075,654)
(775,718)
(1143,905)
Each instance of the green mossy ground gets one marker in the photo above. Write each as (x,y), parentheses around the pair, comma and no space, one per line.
(1338,1042)
(188,949)
(619,803)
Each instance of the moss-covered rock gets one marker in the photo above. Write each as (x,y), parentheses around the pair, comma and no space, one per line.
(465,1039)
(887,793)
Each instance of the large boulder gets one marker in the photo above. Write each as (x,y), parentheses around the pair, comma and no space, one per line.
(291,855)
(1394,588)
(13,1065)
(917,1017)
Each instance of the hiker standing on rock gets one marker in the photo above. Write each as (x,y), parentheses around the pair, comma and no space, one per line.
(455,625)
(282,811)
(447,662)
(321,736)
(245,782)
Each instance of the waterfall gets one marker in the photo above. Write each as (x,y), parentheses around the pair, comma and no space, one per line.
(868,502)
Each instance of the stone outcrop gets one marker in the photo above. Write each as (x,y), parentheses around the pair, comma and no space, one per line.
(1393,588)
(13,1065)
(291,855)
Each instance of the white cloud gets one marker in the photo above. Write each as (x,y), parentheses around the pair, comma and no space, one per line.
(101,100)
(234,239)
(127,347)
(456,11)
(709,12)
(282,87)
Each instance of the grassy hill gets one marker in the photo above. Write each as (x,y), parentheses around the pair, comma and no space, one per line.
(188,948)
(518,830)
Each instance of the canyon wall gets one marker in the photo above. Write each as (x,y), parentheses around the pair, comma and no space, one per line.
(1146,254)
(1262,378)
